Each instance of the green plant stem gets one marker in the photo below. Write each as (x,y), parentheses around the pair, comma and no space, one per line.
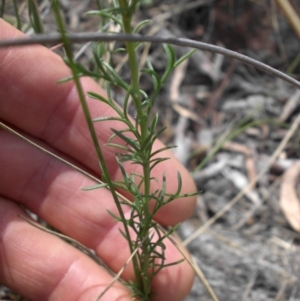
(135,93)
(143,121)
(2,8)
(293,65)
(126,16)
(89,121)
(19,25)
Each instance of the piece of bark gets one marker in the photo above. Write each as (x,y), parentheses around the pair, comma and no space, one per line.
(289,201)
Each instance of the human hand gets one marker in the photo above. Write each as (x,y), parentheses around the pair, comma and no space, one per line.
(39,265)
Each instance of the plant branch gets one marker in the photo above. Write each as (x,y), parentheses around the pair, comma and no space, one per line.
(87,37)
(81,94)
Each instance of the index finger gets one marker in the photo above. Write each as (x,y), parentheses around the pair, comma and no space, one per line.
(32,100)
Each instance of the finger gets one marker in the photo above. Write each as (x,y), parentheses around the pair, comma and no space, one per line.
(52,190)
(40,266)
(31,100)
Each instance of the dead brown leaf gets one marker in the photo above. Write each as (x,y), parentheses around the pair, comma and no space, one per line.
(251,169)
(289,201)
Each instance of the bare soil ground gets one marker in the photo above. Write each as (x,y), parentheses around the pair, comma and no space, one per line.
(251,252)
(231,119)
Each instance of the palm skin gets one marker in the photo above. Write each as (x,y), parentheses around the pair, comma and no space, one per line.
(39,265)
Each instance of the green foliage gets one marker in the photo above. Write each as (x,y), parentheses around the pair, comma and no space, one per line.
(2,8)
(137,139)
(35,18)
(19,25)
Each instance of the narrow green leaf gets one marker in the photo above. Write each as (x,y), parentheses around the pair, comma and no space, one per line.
(137,204)
(97,119)
(170,264)
(124,173)
(98,97)
(163,188)
(124,235)
(127,157)
(184,195)
(138,45)
(158,133)
(162,150)
(179,181)
(96,186)
(157,161)
(117,218)
(125,105)
(118,146)
(184,57)
(140,25)
(2,8)
(147,145)
(107,13)
(112,103)
(66,79)
(170,55)
(155,77)
(35,17)
(151,139)
(123,131)
(86,72)
(98,49)
(153,123)
(16,9)
(116,77)
(128,140)
(118,50)
(145,95)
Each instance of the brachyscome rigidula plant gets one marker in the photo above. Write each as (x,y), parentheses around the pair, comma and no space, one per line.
(137,138)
